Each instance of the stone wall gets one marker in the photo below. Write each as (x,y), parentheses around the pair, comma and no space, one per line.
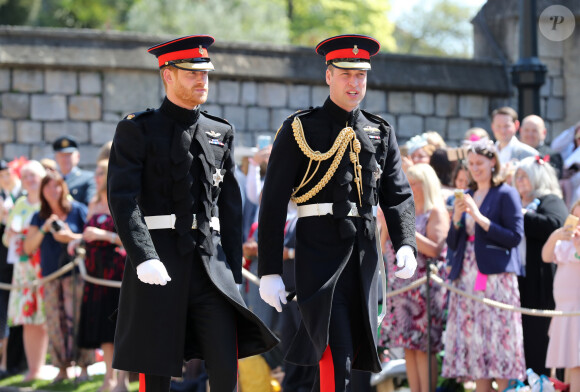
(81,82)
(496,35)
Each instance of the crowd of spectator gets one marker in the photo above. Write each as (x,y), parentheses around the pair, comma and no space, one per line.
(489,217)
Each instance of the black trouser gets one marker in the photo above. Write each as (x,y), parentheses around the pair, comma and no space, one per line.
(212,324)
(345,330)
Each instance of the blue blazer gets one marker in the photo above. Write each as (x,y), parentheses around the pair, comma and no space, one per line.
(81,185)
(496,250)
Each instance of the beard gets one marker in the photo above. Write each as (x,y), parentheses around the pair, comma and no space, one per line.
(189,96)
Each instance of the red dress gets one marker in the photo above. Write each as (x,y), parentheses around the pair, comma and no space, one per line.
(106,261)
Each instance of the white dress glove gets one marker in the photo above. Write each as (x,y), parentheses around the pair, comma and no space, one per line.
(406,261)
(272,291)
(153,272)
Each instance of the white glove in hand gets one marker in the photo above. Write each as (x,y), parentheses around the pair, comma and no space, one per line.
(272,291)
(406,261)
(153,272)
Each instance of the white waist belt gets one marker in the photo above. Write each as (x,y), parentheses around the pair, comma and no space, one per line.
(321,209)
(156,222)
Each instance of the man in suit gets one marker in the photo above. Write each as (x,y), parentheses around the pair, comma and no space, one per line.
(81,183)
(533,133)
(177,208)
(336,257)
(505,125)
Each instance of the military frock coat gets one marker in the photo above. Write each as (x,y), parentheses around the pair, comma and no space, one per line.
(324,244)
(163,162)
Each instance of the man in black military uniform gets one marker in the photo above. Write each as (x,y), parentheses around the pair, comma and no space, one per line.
(336,162)
(81,183)
(177,209)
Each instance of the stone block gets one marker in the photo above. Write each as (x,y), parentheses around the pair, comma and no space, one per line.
(236,115)
(299,97)
(278,117)
(102,132)
(60,82)
(41,151)
(212,93)
(243,141)
(78,130)
(400,102)
(410,125)
(375,101)
(48,107)
(6,130)
(549,48)
(90,83)
(28,131)
(558,88)
(546,88)
(228,92)
(554,66)
(15,150)
(112,117)
(214,110)
(555,109)
(258,120)
(483,123)
(15,106)
(473,106)
(27,81)
(85,108)
(130,91)
(457,127)
(445,105)
(424,103)
(272,95)
(88,156)
(436,124)
(249,94)
(4,80)
(319,95)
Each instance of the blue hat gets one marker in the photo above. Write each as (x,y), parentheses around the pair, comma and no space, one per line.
(188,53)
(350,51)
(65,144)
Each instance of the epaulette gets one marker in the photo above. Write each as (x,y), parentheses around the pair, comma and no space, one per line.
(296,113)
(375,117)
(215,118)
(133,116)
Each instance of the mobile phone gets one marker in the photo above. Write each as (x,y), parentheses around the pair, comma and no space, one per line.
(264,141)
(458,194)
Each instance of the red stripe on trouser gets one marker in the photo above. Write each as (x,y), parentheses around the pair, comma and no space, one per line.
(142,387)
(326,367)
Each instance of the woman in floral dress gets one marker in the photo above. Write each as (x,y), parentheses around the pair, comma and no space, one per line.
(105,259)
(26,306)
(483,343)
(406,322)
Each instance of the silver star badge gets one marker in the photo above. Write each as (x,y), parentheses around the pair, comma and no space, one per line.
(217,177)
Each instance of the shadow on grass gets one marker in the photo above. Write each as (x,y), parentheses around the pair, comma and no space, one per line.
(64,386)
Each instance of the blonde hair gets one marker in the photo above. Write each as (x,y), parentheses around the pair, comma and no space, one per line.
(34,167)
(430,184)
(103,163)
(542,177)
(434,139)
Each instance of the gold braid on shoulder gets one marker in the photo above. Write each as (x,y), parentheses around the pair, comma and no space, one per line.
(346,137)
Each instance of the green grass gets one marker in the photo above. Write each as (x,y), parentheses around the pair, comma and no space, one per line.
(65,386)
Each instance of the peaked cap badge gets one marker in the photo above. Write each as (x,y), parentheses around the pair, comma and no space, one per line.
(355,49)
(200,49)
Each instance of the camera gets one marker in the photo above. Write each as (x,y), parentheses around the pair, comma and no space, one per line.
(57,225)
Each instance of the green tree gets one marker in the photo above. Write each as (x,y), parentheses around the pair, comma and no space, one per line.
(18,12)
(226,20)
(443,29)
(313,21)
